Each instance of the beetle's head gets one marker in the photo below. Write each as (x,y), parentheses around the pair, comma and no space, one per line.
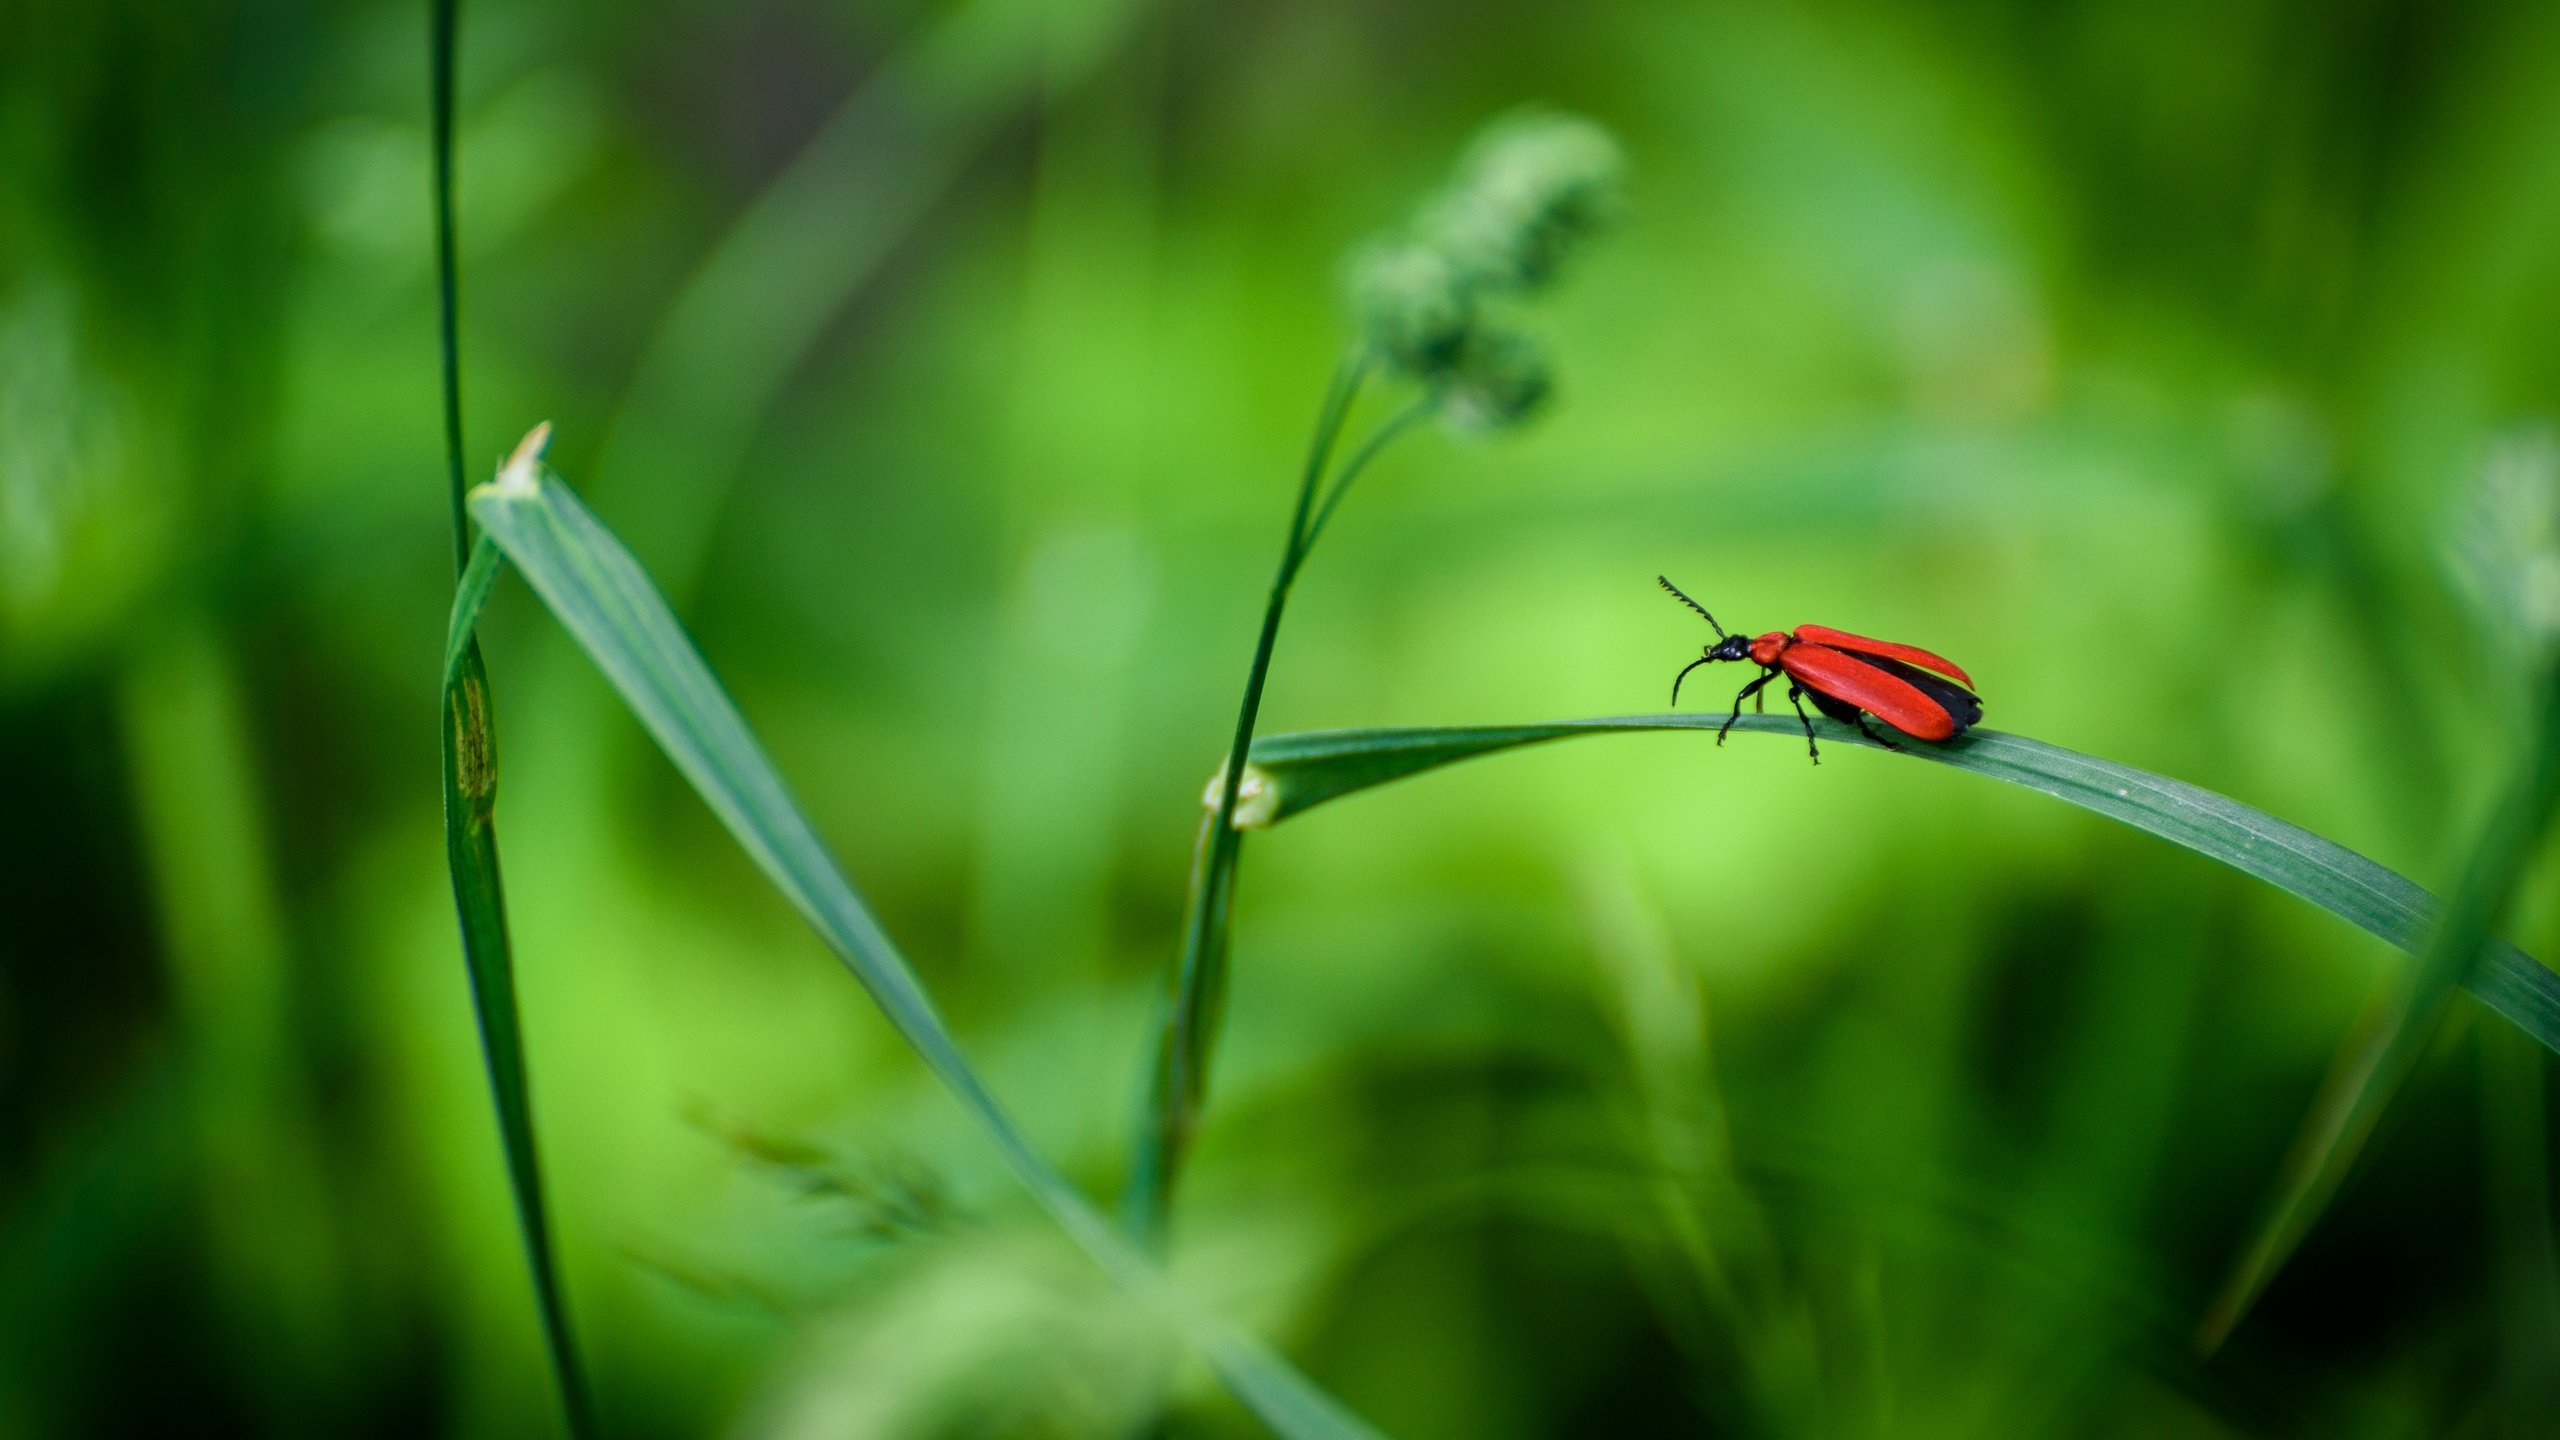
(1727,647)
(1731,647)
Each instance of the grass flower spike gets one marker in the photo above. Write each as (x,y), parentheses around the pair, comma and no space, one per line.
(1416,307)
(1532,187)
(1430,300)
(2507,551)
(1500,381)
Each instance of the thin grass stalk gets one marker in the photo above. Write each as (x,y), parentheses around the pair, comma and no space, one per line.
(1195,999)
(2378,1059)
(470,777)
(444,21)
(1414,414)
(1187,1025)
(1531,186)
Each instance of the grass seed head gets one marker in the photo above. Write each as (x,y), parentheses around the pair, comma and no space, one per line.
(1501,380)
(1532,187)
(2507,550)
(1414,305)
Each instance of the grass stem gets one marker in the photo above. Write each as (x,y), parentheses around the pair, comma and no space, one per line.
(1187,1029)
(1421,409)
(470,770)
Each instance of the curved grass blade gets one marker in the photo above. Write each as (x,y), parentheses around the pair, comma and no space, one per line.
(470,593)
(470,784)
(2379,1057)
(1311,767)
(606,602)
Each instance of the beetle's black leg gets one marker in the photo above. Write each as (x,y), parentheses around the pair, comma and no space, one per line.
(1747,692)
(1795,697)
(1861,723)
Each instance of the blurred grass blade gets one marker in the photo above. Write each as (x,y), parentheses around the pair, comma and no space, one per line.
(471,780)
(1309,768)
(2516,1148)
(600,594)
(770,286)
(2379,1056)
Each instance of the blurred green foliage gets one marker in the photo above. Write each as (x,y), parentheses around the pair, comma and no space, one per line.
(948,364)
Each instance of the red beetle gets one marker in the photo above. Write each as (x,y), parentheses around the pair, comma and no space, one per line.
(1845,674)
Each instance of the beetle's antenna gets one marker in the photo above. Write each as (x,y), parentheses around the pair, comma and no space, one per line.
(1684,599)
(1684,671)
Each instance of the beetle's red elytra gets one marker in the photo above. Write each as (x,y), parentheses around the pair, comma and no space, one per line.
(1848,677)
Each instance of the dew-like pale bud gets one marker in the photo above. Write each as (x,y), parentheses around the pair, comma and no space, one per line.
(1413,305)
(1257,799)
(1500,380)
(1532,186)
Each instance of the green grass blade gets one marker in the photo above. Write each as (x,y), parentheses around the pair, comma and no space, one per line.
(1310,768)
(608,605)
(471,779)
(2377,1060)
(469,595)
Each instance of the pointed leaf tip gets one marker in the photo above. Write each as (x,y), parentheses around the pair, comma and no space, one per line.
(519,475)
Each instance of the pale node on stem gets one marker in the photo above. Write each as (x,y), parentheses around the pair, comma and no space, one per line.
(1257,798)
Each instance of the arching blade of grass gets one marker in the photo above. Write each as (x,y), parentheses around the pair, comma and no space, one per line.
(470,786)
(470,593)
(606,602)
(1309,768)
(2378,1058)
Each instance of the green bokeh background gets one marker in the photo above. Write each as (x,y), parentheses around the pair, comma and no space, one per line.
(949,363)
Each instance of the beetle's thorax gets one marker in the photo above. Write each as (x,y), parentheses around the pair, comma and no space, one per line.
(1766,649)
